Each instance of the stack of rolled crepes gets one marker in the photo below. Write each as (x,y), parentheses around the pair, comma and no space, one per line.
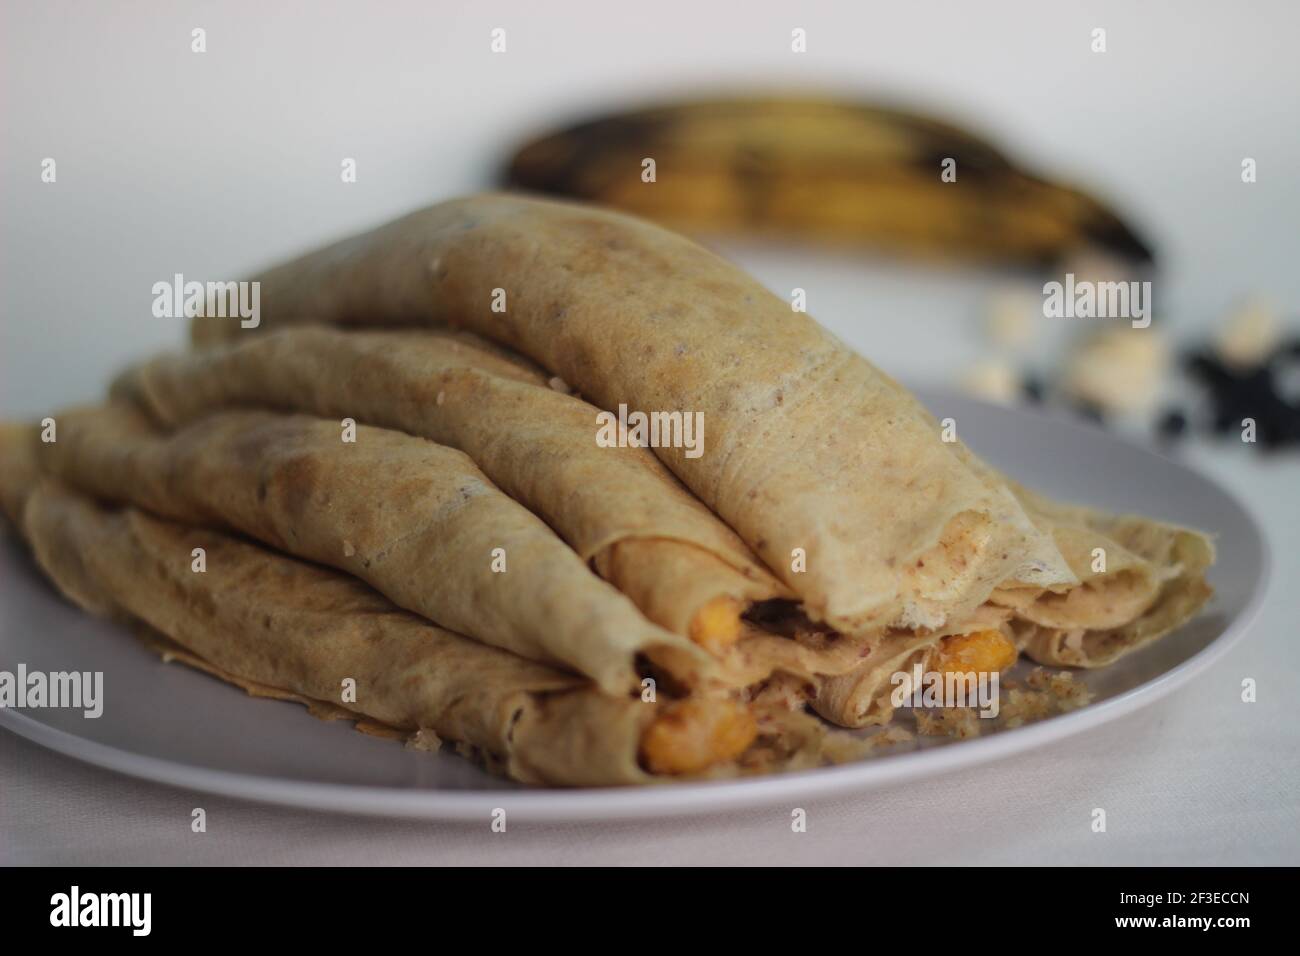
(395,481)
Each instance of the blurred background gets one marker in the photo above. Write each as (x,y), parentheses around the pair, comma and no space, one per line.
(213,164)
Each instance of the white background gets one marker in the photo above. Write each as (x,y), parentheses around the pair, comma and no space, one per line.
(211,164)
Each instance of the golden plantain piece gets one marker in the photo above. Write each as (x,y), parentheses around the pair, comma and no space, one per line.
(822,170)
(717,625)
(980,652)
(696,734)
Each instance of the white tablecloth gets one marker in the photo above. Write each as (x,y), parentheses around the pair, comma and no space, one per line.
(170,161)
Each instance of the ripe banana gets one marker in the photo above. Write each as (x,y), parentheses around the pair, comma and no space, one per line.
(821,170)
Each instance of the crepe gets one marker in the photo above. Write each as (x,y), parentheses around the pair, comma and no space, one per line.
(981,644)
(416,520)
(641,530)
(826,536)
(832,473)
(618,507)
(17,468)
(861,697)
(1153,581)
(288,629)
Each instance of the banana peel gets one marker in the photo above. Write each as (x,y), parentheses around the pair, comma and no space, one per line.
(826,171)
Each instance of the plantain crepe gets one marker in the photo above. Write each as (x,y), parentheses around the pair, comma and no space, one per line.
(416,520)
(426,506)
(812,451)
(279,627)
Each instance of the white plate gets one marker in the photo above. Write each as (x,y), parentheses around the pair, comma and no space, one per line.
(173,725)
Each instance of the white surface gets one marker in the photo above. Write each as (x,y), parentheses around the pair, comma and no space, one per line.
(169,161)
(216,740)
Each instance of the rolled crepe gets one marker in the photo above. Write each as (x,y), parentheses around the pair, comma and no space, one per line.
(1139,579)
(1153,582)
(862,697)
(416,520)
(283,628)
(642,531)
(18,469)
(834,475)
(618,507)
